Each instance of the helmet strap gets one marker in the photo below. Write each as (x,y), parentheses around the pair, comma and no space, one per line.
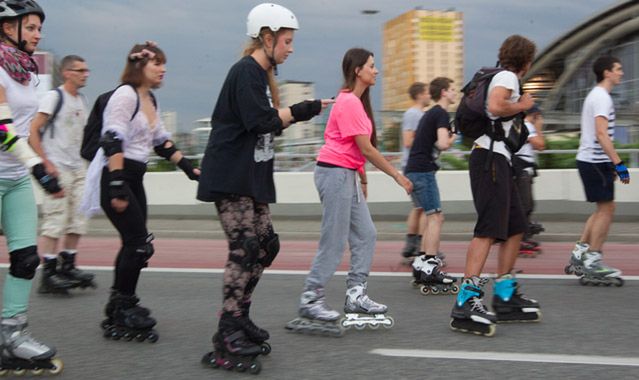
(271,57)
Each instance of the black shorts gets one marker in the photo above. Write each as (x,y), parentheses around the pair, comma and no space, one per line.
(598,180)
(495,195)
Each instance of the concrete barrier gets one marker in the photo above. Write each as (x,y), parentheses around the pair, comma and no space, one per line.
(558,194)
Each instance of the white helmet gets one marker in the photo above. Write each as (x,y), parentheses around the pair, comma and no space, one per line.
(269,15)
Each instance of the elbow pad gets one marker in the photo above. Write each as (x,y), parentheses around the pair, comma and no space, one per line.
(12,143)
(111,143)
(165,152)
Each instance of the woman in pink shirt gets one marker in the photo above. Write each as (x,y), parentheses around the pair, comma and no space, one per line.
(350,141)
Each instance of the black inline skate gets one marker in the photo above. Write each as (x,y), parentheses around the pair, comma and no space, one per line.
(232,349)
(428,276)
(361,312)
(72,273)
(469,313)
(127,320)
(254,333)
(21,353)
(512,306)
(315,317)
(52,281)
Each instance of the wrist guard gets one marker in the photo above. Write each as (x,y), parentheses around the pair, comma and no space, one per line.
(187,167)
(48,182)
(118,188)
(164,152)
(306,110)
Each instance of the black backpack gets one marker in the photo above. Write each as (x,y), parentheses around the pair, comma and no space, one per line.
(471,119)
(93,129)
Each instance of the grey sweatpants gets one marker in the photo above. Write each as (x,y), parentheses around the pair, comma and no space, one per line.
(345,218)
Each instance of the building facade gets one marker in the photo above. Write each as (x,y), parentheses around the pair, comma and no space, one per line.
(419,46)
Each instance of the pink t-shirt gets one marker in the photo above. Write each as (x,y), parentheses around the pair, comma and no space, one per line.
(347,120)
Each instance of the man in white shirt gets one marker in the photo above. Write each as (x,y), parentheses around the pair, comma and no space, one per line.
(56,135)
(415,221)
(598,164)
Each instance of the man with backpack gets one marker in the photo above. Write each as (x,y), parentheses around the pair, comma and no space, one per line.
(500,217)
(56,135)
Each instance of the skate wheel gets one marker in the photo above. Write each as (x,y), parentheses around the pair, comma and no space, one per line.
(374,326)
(140,338)
(425,290)
(391,324)
(454,289)
(239,367)
(266,348)
(3,372)
(58,367)
(618,281)
(152,337)
(255,367)
(343,323)
(227,365)
(18,372)
(127,336)
(434,290)
(583,281)
(208,360)
(360,326)
(568,269)
(36,372)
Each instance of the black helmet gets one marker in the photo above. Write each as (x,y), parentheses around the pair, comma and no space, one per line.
(17,8)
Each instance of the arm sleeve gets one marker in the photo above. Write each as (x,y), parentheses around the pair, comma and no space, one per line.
(410,121)
(443,120)
(601,106)
(118,112)
(254,107)
(353,120)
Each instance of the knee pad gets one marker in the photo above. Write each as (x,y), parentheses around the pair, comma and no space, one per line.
(251,248)
(24,262)
(139,256)
(270,245)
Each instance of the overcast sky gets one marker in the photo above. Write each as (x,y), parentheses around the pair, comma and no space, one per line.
(203,38)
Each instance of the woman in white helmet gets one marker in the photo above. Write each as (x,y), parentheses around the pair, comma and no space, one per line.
(20,27)
(237,174)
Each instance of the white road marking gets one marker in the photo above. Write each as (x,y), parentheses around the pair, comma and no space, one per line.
(511,357)
(338,273)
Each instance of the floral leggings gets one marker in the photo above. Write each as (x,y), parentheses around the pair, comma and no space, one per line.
(242,218)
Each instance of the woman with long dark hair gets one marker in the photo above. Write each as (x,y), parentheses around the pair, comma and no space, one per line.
(350,140)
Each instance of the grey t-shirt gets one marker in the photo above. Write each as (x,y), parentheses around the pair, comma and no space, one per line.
(410,121)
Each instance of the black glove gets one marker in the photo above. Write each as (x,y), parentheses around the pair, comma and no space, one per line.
(187,168)
(48,182)
(306,110)
(118,188)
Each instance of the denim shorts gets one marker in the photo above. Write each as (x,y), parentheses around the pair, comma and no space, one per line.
(598,180)
(425,193)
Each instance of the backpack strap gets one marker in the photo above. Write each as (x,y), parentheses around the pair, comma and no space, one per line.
(137,98)
(56,111)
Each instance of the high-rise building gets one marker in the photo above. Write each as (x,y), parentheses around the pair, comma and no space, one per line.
(292,92)
(419,46)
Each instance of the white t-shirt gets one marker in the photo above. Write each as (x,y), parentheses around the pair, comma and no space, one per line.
(597,103)
(23,102)
(63,147)
(527,152)
(508,80)
(410,122)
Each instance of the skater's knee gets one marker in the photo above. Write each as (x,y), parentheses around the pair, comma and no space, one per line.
(270,245)
(24,262)
(251,248)
(139,255)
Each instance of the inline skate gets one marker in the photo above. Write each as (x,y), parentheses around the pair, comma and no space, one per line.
(576,263)
(127,320)
(21,353)
(360,311)
(254,333)
(315,317)
(231,347)
(512,306)
(469,313)
(430,279)
(411,248)
(52,281)
(529,249)
(596,273)
(70,271)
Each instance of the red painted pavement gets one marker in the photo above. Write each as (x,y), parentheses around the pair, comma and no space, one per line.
(298,255)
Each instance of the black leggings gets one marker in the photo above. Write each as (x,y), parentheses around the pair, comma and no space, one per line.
(131,225)
(242,218)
